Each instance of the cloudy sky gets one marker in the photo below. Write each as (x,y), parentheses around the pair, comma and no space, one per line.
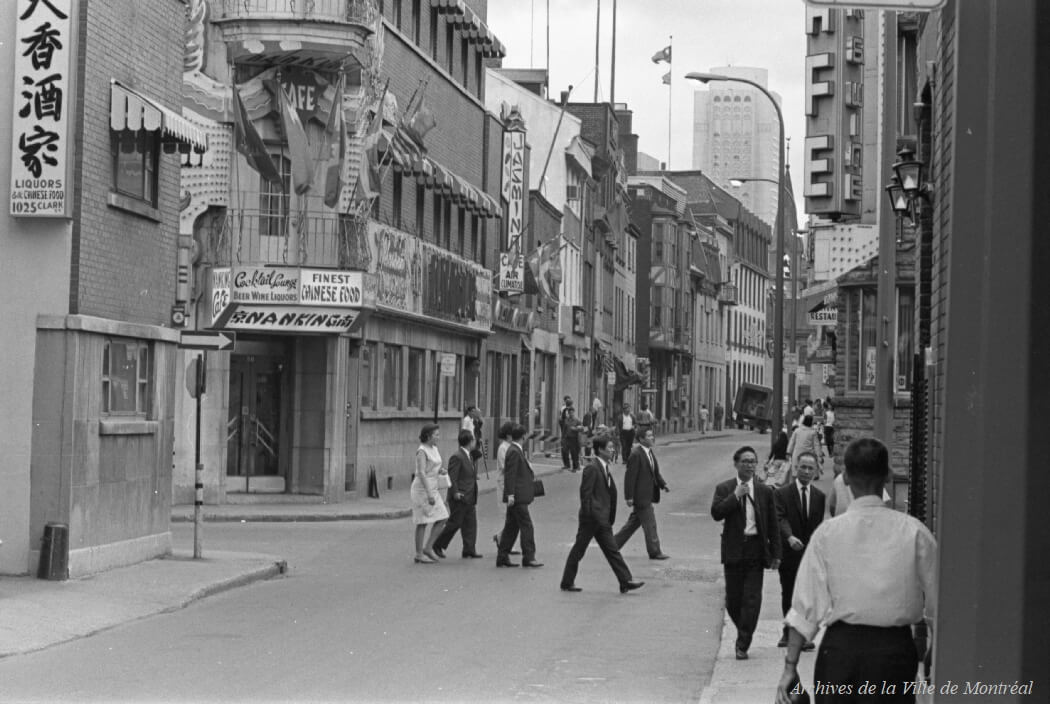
(706,33)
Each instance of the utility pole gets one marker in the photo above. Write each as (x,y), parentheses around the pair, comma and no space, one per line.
(597,42)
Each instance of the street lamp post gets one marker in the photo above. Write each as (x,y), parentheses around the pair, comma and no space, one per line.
(778,307)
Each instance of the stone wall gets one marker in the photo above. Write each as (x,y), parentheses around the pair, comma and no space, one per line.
(855,418)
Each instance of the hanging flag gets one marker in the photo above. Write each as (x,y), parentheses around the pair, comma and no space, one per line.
(298,145)
(667,79)
(545,265)
(421,122)
(368,164)
(663,55)
(336,132)
(248,142)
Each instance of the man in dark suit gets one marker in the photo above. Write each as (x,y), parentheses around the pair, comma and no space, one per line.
(750,543)
(641,488)
(597,513)
(517,494)
(800,509)
(462,498)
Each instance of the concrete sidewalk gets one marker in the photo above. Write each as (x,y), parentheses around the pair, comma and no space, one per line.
(36,614)
(390,504)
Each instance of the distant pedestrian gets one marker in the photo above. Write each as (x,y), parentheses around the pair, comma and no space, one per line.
(562,412)
(644,419)
(642,484)
(719,414)
(829,428)
(704,414)
(625,426)
(867,576)
(806,439)
(777,471)
(597,514)
(750,543)
(462,499)
(596,409)
(472,421)
(841,496)
(800,509)
(570,441)
(428,508)
(518,480)
(501,459)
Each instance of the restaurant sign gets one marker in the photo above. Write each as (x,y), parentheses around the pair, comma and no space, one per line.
(289,299)
(40,140)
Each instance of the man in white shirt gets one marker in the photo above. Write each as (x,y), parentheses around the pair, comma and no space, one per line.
(867,575)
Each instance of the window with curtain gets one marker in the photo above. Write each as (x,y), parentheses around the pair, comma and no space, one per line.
(135,166)
(127,378)
(273,202)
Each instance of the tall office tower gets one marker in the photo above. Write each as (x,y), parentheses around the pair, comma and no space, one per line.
(735,132)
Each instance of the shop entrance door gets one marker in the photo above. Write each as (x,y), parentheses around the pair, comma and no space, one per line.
(254,427)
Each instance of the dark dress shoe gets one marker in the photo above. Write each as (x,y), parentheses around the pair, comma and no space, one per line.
(532,563)
(506,563)
(661,556)
(439,552)
(809,646)
(472,554)
(741,654)
(628,586)
(571,588)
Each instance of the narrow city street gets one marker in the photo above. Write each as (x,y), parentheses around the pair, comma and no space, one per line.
(356,620)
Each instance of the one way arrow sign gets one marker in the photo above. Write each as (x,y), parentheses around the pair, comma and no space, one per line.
(203,340)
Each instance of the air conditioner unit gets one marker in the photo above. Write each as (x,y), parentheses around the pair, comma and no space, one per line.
(572,192)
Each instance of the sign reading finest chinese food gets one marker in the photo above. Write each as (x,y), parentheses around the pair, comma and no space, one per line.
(40,120)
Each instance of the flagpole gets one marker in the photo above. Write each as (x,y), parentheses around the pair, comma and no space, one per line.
(612,61)
(597,38)
(670,83)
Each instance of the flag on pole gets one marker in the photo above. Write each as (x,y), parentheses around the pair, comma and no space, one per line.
(421,122)
(667,79)
(336,132)
(298,145)
(545,265)
(663,55)
(248,142)
(368,166)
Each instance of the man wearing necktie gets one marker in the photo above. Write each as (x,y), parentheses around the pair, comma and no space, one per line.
(641,488)
(750,543)
(800,509)
(597,513)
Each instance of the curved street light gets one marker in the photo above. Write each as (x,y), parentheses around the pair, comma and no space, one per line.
(778,306)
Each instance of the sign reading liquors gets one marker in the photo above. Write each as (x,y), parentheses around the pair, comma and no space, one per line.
(40,109)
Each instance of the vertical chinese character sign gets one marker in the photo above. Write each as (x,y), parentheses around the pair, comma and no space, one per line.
(40,120)
(512,258)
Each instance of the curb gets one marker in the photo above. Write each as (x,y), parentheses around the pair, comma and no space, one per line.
(279,567)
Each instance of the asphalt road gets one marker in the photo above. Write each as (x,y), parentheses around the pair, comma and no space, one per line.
(356,620)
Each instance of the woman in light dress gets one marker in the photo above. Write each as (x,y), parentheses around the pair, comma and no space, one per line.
(428,507)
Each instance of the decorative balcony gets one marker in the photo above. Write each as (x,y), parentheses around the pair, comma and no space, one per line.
(727,294)
(318,34)
(253,237)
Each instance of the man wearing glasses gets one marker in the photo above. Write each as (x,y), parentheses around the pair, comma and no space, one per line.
(750,543)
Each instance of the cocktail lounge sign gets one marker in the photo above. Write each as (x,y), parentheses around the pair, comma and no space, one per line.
(289,299)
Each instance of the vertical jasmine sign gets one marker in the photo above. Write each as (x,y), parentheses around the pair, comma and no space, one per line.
(42,96)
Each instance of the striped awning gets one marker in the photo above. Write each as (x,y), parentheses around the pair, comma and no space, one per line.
(449,6)
(131,111)
(461,17)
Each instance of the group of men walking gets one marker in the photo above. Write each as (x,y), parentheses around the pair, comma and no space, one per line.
(867,575)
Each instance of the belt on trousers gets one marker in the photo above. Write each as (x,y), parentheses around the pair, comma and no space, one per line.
(751,537)
(860,628)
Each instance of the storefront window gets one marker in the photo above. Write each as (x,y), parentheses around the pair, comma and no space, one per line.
(393,376)
(126,378)
(416,376)
(862,317)
(368,375)
(452,388)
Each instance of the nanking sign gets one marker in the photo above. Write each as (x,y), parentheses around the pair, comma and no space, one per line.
(40,140)
(289,299)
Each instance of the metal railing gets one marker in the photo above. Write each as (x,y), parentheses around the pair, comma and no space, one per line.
(341,11)
(254,237)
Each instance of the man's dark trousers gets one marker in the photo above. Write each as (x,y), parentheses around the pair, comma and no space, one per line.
(744,590)
(463,516)
(518,519)
(626,443)
(570,452)
(645,518)
(788,572)
(604,537)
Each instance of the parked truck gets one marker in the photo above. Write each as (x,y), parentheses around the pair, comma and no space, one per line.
(754,407)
